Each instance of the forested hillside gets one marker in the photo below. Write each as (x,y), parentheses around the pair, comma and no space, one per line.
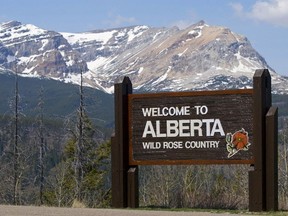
(54,143)
(60,99)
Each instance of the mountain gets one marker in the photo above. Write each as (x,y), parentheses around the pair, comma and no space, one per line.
(199,57)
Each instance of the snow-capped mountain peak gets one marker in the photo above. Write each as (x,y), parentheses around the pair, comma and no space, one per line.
(33,51)
(156,59)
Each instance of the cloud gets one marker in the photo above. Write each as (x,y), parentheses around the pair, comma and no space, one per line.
(274,12)
(181,24)
(119,21)
(3,18)
(238,8)
(190,19)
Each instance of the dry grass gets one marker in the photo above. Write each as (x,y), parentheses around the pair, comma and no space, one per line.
(78,204)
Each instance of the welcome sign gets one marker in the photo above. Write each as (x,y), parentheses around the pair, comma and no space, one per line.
(203,127)
(208,127)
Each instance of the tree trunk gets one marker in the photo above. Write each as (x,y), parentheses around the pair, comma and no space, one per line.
(16,147)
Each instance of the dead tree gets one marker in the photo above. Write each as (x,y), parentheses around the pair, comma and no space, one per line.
(16,159)
(79,143)
(41,146)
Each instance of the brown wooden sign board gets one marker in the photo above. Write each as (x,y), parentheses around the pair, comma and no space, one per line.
(207,127)
(210,127)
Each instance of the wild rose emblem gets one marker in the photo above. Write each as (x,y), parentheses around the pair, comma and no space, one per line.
(237,141)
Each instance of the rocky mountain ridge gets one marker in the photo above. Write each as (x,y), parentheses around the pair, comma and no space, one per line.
(156,59)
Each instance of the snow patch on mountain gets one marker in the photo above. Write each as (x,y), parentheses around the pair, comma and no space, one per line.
(12,31)
(83,38)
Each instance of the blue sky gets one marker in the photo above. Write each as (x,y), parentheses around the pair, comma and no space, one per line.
(264,23)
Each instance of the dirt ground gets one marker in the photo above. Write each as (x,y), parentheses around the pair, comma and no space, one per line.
(7,210)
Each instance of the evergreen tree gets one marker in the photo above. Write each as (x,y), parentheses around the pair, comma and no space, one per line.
(86,159)
(93,163)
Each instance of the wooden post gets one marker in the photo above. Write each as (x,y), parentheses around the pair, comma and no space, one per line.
(257,177)
(272,159)
(116,199)
(124,179)
(133,189)
(120,145)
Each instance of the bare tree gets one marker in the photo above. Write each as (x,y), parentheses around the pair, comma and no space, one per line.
(199,186)
(283,167)
(57,181)
(41,145)
(16,146)
(79,143)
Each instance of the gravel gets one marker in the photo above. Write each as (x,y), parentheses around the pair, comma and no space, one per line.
(8,210)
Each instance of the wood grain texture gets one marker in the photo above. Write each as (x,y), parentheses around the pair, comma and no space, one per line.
(234,109)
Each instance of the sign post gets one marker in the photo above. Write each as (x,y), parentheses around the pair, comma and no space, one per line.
(205,127)
(263,179)
(272,159)
(120,152)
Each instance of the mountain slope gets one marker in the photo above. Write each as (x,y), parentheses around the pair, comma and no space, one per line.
(37,52)
(155,59)
(60,99)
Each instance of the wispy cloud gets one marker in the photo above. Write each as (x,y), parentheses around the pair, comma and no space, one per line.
(3,18)
(119,21)
(182,24)
(191,18)
(274,12)
(238,8)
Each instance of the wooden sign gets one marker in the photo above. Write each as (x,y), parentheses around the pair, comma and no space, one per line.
(207,127)
(210,127)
